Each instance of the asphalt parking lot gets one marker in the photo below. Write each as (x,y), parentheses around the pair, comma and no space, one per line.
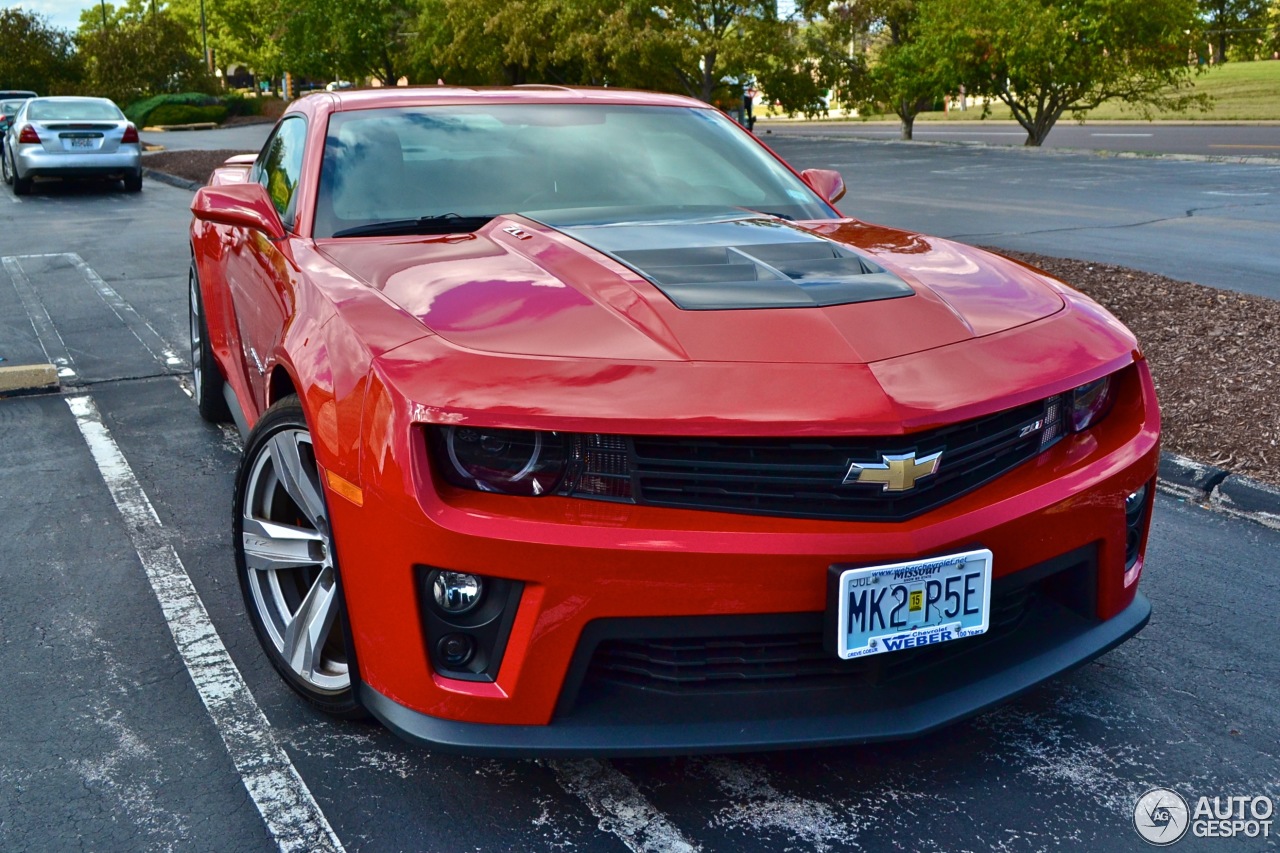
(141,716)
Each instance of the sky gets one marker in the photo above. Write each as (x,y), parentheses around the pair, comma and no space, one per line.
(64,14)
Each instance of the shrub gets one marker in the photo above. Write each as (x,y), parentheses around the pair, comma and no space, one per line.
(140,112)
(186,114)
(238,105)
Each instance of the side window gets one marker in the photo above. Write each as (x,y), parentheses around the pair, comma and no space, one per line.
(280,166)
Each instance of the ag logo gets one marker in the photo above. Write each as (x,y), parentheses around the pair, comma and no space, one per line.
(1161,816)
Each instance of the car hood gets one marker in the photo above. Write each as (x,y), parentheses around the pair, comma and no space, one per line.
(710,289)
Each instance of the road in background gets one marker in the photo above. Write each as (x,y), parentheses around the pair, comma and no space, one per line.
(1261,139)
(243,137)
(106,745)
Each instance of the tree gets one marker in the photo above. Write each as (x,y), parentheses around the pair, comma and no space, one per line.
(142,51)
(721,38)
(36,55)
(688,46)
(1234,22)
(1044,58)
(349,40)
(1273,30)
(239,32)
(490,41)
(873,56)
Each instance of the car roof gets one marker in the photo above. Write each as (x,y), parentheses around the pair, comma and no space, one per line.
(358,99)
(63,99)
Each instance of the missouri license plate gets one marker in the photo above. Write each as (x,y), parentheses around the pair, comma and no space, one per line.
(889,608)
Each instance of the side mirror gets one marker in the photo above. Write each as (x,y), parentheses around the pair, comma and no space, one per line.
(825,182)
(244,205)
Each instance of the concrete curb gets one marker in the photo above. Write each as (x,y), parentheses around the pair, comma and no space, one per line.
(1219,490)
(171,180)
(20,378)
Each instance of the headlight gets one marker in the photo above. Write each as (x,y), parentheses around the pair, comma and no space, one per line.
(1090,403)
(510,461)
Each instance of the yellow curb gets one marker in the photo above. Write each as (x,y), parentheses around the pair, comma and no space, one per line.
(24,377)
(165,128)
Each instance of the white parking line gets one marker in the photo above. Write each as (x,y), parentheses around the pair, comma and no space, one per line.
(620,807)
(47,335)
(1142,135)
(292,816)
(146,334)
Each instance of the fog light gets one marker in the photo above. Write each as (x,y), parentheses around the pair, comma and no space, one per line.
(455,650)
(1135,516)
(456,593)
(1134,503)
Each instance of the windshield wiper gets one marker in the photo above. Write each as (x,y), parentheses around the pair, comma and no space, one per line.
(445,223)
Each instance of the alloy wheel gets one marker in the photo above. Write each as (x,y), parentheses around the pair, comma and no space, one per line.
(288,562)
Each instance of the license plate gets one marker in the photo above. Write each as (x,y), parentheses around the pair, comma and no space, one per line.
(908,605)
(82,143)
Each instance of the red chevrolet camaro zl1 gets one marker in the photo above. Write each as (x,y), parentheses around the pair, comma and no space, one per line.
(577,422)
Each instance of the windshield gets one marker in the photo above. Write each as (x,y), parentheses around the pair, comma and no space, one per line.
(428,165)
(10,108)
(74,111)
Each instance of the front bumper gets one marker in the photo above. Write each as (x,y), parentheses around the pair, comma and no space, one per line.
(589,568)
(32,161)
(1051,641)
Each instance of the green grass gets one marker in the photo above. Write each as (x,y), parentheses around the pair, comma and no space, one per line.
(1241,91)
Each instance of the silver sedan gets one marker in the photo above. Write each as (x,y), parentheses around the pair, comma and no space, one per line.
(71,138)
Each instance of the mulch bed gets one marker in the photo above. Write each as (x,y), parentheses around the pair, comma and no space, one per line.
(192,164)
(1213,353)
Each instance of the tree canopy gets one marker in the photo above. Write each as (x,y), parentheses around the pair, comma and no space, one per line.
(1238,24)
(35,55)
(143,50)
(1044,58)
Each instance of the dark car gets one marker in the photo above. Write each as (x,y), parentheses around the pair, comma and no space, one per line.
(9,106)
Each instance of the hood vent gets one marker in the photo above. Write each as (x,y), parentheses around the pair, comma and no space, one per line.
(743,264)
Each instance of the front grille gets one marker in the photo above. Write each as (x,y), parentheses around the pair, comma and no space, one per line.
(804,478)
(694,665)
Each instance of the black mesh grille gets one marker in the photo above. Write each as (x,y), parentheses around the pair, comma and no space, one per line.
(804,478)
(691,665)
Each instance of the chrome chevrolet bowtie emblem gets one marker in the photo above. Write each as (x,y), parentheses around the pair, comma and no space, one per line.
(897,473)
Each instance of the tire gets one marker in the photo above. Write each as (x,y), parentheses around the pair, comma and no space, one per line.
(287,565)
(206,376)
(21,185)
(133,183)
(4,166)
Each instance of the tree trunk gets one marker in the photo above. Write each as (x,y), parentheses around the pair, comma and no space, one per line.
(908,126)
(1222,47)
(708,75)
(514,74)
